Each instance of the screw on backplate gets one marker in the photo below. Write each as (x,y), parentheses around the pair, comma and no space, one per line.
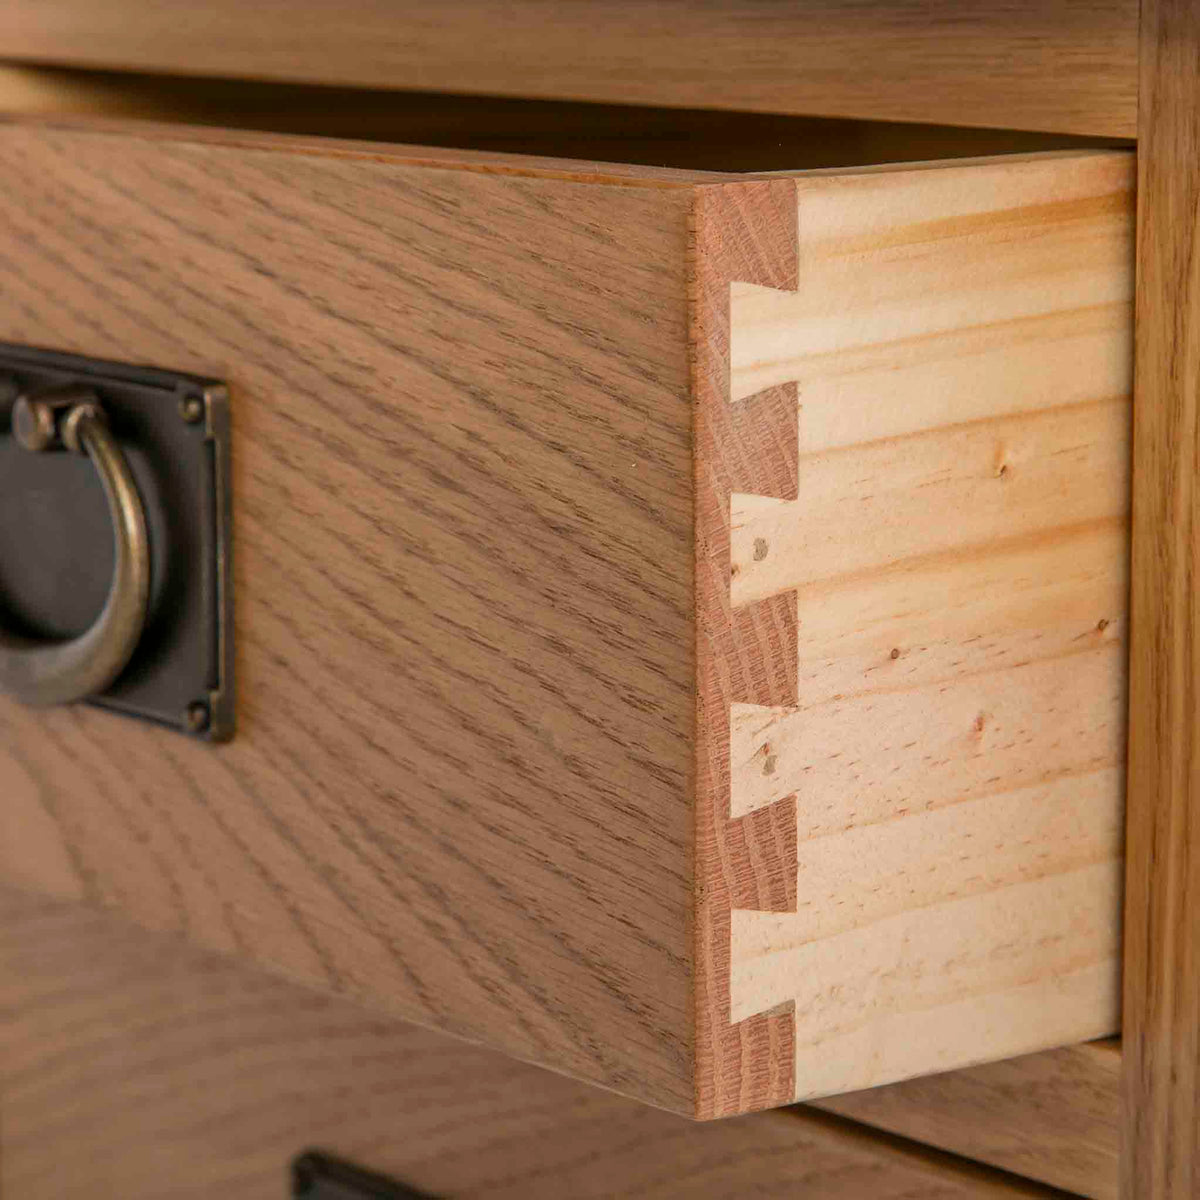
(197,717)
(191,409)
(34,425)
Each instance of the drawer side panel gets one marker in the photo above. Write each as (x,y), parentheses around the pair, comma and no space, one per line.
(956,549)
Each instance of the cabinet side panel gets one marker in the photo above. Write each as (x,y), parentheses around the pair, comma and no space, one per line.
(460,790)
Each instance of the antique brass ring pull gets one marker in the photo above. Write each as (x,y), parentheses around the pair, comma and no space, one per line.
(46,673)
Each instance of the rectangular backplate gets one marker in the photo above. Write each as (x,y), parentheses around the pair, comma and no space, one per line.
(56,548)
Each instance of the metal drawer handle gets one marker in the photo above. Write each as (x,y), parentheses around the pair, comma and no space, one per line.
(45,673)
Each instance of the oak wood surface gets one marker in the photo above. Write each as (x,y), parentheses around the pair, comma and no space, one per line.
(1063,65)
(134,1067)
(1161,1116)
(461,788)
(740,232)
(1051,1116)
(913,536)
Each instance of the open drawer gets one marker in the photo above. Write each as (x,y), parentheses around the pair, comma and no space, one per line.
(679,617)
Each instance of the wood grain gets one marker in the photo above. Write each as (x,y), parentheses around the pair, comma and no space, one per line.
(1068,66)
(742,231)
(1161,1117)
(138,1068)
(508,436)
(1051,1116)
(953,756)
(461,789)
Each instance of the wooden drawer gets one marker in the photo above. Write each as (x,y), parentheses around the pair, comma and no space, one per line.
(680,615)
(139,1069)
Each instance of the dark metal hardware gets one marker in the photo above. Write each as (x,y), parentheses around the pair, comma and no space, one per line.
(115,524)
(316,1176)
(59,672)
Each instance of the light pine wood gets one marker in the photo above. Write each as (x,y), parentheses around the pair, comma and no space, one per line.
(527,716)
(1161,1115)
(939,580)
(1063,65)
(138,1068)
(1051,1116)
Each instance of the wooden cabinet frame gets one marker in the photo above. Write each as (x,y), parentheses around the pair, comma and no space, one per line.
(1161,1149)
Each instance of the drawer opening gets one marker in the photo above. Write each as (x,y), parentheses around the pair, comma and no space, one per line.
(689,139)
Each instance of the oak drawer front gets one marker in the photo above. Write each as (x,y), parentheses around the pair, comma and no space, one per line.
(680,617)
(139,1068)
(1053,1116)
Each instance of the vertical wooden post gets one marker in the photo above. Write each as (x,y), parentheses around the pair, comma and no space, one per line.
(1161,1153)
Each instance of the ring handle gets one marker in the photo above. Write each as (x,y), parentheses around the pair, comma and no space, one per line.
(42,673)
